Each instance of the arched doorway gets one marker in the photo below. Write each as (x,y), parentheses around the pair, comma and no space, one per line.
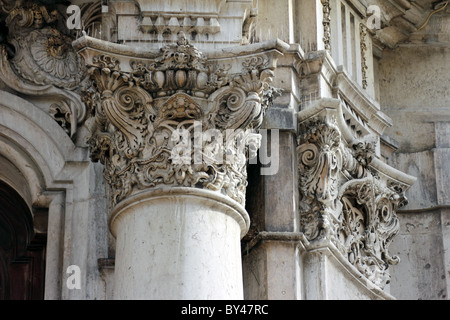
(22,250)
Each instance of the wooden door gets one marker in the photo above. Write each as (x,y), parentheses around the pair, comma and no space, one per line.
(22,251)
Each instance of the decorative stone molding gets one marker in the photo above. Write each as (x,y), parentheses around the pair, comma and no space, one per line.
(348,199)
(326,24)
(156,23)
(362,113)
(159,18)
(153,125)
(43,54)
(364,67)
(43,62)
(367,226)
(173,24)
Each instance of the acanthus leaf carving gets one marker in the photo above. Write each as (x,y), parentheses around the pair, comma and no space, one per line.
(367,226)
(177,120)
(320,160)
(345,201)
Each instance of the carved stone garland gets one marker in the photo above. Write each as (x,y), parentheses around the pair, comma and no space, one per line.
(364,67)
(326,24)
(149,121)
(345,202)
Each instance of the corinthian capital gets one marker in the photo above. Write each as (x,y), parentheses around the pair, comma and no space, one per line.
(177,119)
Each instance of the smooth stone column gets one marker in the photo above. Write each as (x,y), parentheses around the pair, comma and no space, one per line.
(178,243)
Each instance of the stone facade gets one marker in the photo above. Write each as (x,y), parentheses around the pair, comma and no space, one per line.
(208,150)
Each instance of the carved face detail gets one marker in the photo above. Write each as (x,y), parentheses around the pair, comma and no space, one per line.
(48,58)
(181,58)
(56,46)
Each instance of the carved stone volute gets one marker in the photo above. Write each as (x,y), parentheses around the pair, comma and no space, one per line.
(178,119)
(348,197)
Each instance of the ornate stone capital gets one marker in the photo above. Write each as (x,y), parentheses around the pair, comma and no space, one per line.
(348,199)
(176,120)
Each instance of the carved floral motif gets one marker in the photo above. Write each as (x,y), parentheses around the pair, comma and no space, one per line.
(152,128)
(366,227)
(44,56)
(326,24)
(320,160)
(344,201)
(364,67)
(38,60)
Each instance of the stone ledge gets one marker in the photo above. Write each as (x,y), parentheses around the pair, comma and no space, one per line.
(325,247)
(281,119)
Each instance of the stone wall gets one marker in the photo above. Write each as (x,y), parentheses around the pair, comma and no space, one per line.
(414,91)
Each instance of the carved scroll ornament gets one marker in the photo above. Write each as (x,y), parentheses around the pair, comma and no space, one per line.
(38,60)
(43,54)
(148,121)
(344,201)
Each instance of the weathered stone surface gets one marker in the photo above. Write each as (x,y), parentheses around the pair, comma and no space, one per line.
(419,275)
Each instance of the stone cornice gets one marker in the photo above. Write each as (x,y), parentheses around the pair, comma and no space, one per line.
(400,21)
(364,111)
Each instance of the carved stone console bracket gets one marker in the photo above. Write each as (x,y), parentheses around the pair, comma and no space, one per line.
(349,197)
(176,118)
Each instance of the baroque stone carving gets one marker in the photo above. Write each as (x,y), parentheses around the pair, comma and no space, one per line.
(181,66)
(63,115)
(154,126)
(346,202)
(364,67)
(326,24)
(43,54)
(367,225)
(320,160)
(38,60)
